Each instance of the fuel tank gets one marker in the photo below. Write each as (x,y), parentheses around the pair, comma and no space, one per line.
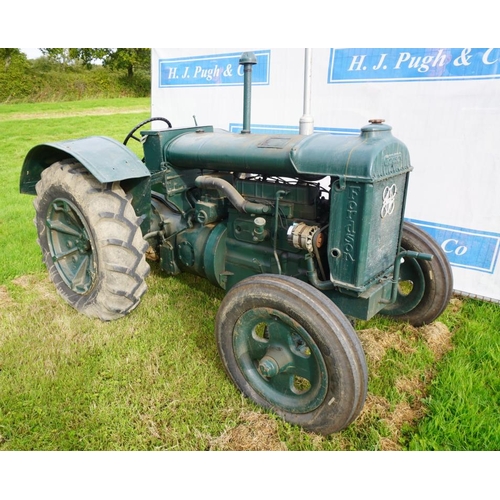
(374,152)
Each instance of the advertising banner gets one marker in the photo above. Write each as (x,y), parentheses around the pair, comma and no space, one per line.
(443,103)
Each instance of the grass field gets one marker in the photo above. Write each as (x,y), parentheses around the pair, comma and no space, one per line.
(153,380)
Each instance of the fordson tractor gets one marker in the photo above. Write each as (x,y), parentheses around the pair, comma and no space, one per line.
(304,232)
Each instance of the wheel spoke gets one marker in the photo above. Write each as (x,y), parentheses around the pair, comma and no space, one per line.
(61,227)
(62,255)
(279,358)
(70,245)
(249,334)
(81,277)
(411,286)
(283,384)
(304,368)
(409,271)
(301,364)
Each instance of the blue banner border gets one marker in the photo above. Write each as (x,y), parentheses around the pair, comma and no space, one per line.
(469,233)
(290,129)
(266,54)
(331,67)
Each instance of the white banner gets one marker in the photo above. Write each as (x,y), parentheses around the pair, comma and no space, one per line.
(444,104)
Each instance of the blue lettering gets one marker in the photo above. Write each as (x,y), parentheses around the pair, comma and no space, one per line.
(452,246)
(402,65)
(218,69)
(466,248)
(357,63)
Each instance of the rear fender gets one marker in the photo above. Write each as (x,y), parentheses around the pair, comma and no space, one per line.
(106,159)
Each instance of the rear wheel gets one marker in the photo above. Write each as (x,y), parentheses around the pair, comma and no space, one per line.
(290,349)
(425,287)
(91,241)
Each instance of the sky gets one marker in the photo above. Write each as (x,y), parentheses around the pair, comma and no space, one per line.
(383,23)
(32,53)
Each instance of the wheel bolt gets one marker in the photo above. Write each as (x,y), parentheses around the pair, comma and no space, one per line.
(268,367)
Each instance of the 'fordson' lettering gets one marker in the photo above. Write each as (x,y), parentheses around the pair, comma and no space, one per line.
(392,163)
(350,227)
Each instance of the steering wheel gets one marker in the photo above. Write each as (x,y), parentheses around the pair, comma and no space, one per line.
(131,135)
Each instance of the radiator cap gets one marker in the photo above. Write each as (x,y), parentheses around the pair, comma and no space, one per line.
(376,125)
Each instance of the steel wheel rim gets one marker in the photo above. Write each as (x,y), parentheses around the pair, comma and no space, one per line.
(410,271)
(71,245)
(280,360)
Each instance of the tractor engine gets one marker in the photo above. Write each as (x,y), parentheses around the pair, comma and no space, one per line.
(324,209)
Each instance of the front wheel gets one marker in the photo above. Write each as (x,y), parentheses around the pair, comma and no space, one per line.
(425,287)
(290,349)
(91,241)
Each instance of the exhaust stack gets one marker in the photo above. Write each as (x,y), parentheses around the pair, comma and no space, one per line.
(247,60)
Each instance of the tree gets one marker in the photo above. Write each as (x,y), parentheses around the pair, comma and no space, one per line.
(63,56)
(89,57)
(116,59)
(7,55)
(129,59)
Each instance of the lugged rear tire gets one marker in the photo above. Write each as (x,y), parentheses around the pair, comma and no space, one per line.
(91,241)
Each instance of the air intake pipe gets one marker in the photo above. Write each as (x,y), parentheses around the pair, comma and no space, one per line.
(228,191)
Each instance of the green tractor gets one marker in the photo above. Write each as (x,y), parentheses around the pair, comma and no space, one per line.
(303,232)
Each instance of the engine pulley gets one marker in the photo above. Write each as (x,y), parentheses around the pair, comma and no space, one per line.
(300,235)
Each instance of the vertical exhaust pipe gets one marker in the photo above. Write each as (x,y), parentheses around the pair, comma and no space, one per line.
(247,60)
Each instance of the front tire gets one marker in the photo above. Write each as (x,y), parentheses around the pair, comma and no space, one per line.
(425,287)
(290,349)
(91,241)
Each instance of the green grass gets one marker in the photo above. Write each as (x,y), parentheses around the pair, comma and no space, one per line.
(128,104)
(154,380)
(465,397)
(22,129)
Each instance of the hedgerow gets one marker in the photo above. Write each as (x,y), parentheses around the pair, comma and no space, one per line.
(41,80)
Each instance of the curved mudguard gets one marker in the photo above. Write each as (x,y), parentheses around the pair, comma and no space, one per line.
(106,159)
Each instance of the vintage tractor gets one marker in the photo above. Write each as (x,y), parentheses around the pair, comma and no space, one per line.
(303,232)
